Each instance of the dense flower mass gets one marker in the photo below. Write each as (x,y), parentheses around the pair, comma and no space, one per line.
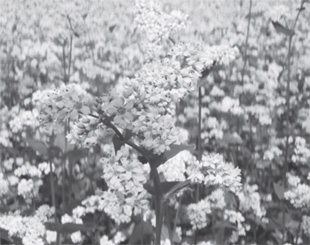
(213,170)
(111,113)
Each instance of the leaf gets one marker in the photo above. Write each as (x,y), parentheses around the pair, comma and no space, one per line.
(5,237)
(232,138)
(279,190)
(165,186)
(37,145)
(117,142)
(165,235)
(68,227)
(142,231)
(282,29)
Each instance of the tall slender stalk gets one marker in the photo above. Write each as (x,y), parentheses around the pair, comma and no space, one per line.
(288,110)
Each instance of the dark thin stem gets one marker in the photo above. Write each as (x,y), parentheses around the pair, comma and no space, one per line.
(64,61)
(53,196)
(298,230)
(159,204)
(246,48)
(288,83)
(70,58)
(199,123)
(126,141)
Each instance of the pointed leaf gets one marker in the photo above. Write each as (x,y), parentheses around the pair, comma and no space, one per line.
(68,227)
(37,145)
(142,231)
(279,190)
(282,29)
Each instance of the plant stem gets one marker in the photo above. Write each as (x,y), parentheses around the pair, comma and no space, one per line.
(246,49)
(159,204)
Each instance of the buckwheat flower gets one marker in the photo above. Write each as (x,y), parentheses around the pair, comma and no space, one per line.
(13,180)
(214,171)
(119,237)
(45,167)
(250,200)
(78,212)
(76,237)
(27,170)
(237,219)
(299,196)
(292,180)
(25,187)
(104,240)
(306,225)
(45,212)
(51,236)
(271,153)
(8,164)
(216,199)
(175,168)
(4,186)
(29,229)
(165,242)
(301,151)
(66,219)
(197,213)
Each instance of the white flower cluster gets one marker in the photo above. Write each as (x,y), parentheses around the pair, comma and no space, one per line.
(197,212)
(4,186)
(29,229)
(28,170)
(298,194)
(117,239)
(213,170)
(76,237)
(155,23)
(237,219)
(125,176)
(63,103)
(25,187)
(250,200)
(301,151)
(23,119)
(272,152)
(45,213)
(45,167)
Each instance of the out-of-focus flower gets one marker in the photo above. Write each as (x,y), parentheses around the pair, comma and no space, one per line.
(25,187)
(298,193)
(104,240)
(250,200)
(213,170)
(29,229)
(306,225)
(4,185)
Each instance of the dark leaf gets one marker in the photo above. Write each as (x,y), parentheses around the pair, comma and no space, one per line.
(142,231)
(282,29)
(279,190)
(165,186)
(37,145)
(68,227)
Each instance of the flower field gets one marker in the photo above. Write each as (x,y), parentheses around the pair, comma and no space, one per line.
(154,122)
